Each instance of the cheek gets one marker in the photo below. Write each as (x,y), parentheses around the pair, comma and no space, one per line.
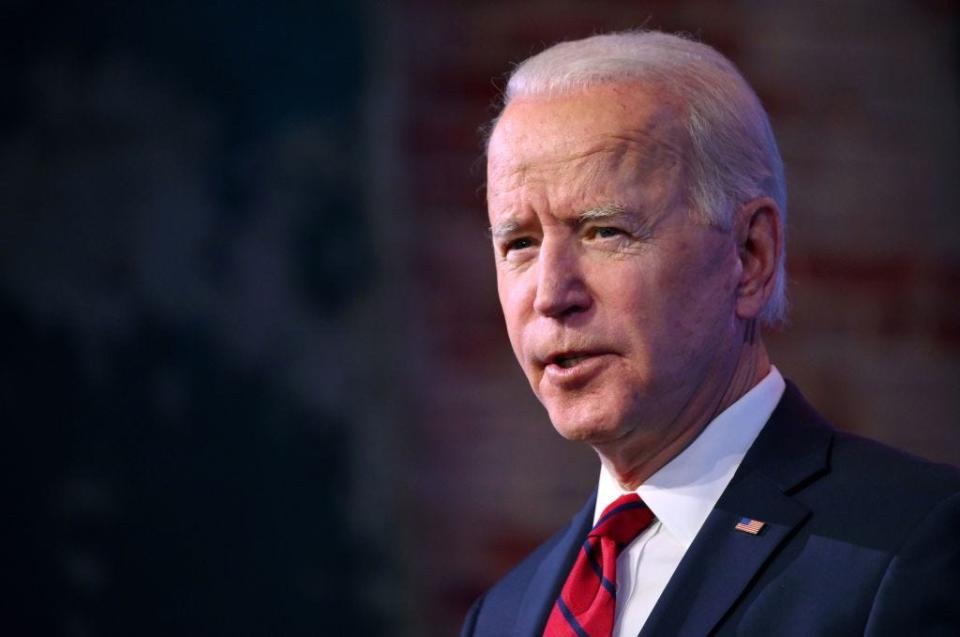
(681,297)
(646,290)
(706,285)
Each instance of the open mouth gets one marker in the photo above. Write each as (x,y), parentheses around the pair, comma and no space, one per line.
(572,369)
(567,362)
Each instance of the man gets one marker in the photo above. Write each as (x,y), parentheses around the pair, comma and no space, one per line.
(637,206)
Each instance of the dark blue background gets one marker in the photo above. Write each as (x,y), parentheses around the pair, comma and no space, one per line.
(155,485)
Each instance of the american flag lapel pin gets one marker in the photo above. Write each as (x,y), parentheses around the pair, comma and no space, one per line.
(749,525)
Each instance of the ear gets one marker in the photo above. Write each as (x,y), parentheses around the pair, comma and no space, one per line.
(759,244)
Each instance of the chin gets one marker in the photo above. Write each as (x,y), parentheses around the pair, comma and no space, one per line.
(591,429)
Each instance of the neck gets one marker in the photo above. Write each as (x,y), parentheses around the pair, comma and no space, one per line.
(634,459)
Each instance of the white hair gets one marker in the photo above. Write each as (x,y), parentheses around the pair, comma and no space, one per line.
(733,154)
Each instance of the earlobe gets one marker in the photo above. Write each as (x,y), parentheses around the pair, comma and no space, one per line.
(759,244)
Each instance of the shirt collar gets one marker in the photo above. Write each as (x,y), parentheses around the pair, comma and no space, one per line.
(684,491)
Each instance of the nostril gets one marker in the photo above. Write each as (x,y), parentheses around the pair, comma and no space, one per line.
(560,303)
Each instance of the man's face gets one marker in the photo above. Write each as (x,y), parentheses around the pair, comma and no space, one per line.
(619,305)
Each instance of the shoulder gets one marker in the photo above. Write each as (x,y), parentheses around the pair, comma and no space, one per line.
(890,522)
(870,474)
(860,467)
(918,504)
(870,465)
(887,489)
(856,489)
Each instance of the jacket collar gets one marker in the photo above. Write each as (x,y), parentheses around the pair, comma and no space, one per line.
(792,450)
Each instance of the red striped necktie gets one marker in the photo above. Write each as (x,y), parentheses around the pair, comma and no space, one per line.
(586,604)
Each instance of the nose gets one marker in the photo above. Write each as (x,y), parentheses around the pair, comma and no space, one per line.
(561,288)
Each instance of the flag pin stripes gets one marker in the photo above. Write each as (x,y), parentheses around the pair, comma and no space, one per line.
(749,525)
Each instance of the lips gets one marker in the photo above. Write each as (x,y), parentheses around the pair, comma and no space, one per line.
(567,362)
(573,370)
(567,359)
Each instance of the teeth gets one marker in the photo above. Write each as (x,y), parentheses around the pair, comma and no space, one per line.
(566,363)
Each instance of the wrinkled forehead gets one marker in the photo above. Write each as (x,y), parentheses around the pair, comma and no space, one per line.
(627,131)
(598,122)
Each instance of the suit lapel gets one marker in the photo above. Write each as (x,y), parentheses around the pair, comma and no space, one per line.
(722,560)
(791,450)
(550,575)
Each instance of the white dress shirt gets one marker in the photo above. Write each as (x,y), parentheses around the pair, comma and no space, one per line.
(681,495)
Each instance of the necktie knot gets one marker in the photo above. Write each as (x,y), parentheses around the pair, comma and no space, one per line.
(623,520)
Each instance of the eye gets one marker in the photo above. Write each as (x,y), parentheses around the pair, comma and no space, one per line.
(518,244)
(605,232)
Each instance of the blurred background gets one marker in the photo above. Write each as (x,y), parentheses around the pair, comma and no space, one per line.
(254,375)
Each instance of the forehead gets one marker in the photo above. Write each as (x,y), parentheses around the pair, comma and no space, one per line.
(627,126)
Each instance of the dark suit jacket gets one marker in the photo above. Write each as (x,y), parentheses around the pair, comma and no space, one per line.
(859,539)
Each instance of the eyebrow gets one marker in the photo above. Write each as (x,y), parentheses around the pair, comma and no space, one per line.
(606,211)
(504,228)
